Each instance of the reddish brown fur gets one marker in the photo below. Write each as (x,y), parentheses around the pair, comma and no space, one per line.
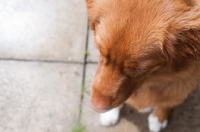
(149,53)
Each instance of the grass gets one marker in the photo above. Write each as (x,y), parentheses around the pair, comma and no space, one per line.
(79,128)
(82,90)
(86,52)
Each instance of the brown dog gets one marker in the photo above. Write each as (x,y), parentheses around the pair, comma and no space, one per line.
(149,55)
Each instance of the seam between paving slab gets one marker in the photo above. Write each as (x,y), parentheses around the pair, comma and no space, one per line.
(84,72)
(43,61)
(92,62)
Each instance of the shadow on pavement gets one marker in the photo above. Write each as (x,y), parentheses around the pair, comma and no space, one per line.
(184,118)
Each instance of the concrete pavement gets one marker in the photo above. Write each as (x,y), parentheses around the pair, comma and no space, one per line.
(45,79)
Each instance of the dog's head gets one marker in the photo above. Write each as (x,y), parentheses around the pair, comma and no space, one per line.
(136,39)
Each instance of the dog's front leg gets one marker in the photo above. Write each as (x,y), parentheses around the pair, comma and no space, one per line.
(158,119)
(111,117)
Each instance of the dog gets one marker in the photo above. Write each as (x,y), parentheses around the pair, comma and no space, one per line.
(149,56)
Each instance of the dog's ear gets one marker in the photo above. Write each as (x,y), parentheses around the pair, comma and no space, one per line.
(182,42)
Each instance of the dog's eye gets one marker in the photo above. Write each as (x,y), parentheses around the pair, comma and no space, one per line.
(137,69)
(134,72)
(128,76)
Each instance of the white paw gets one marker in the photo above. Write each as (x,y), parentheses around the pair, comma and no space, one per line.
(110,118)
(154,124)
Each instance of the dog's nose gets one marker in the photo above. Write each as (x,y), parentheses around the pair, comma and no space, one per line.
(100,106)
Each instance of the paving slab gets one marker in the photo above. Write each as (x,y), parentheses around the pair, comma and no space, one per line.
(92,50)
(43,29)
(39,97)
(184,118)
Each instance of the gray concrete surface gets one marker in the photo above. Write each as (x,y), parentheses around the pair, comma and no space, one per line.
(42,46)
(43,29)
(39,97)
